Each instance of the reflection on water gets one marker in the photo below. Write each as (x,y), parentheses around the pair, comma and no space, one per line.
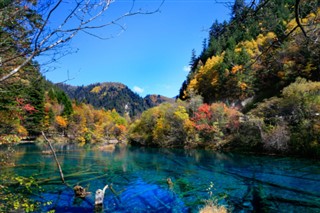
(139,179)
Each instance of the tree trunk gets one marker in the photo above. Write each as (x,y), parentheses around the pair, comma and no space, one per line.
(55,157)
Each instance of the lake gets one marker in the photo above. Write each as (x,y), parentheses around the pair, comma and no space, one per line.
(243,183)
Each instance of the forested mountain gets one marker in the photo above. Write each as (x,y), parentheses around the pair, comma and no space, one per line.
(106,95)
(155,100)
(263,48)
(30,104)
(113,96)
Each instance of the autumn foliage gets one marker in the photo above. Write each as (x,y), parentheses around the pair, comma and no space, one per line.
(214,122)
(170,125)
(167,125)
(256,58)
(82,123)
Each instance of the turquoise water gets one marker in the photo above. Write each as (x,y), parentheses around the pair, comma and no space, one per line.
(243,183)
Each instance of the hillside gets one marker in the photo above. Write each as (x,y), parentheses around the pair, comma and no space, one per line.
(261,50)
(255,86)
(113,96)
(155,100)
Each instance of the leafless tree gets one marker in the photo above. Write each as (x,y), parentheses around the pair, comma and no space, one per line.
(53,25)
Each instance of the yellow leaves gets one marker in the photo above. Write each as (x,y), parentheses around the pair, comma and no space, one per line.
(243,86)
(251,45)
(163,124)
(310,19)
(160,128)
(81,140)
(315,16)
(22,132)
(251,48)
(96,125)
(207,73)
(292,24)
(192,87)
(263,39)
(193,84)
(96,89)
(211,64)
(62,122)
(181,113)
(236,68)
(189,126)
(270,35)
(213,61)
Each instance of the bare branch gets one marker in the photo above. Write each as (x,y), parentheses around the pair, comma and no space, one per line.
(296,11)
(46,22)
(17,69)
(83,16)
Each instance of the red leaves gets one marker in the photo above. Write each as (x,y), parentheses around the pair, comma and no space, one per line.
(203,119)
(216,118)
(203,114)
(29,108)
(25,107)
(204,110)
(20,101)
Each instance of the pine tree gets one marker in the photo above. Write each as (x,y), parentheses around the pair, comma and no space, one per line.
(237,9)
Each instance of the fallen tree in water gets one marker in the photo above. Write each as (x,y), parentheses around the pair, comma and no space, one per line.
(55,157)
(79,191)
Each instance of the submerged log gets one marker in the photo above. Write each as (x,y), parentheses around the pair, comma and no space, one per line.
(170,183)
(55,157)
(46,152)
(113,191)
(100,196)
(81,192)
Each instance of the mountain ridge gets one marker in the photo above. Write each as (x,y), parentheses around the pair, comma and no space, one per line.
(113,95)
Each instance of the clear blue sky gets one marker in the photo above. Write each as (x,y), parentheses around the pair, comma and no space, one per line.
(151,56)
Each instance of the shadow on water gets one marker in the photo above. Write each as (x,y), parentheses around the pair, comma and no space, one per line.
(139,176)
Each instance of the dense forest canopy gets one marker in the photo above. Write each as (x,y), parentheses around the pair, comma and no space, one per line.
(258,52)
